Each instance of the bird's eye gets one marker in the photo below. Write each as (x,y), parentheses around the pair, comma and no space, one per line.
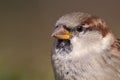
(79,28)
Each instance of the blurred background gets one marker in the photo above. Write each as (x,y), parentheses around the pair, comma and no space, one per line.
(25,29)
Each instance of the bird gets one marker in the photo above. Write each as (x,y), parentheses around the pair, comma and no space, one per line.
(84,48)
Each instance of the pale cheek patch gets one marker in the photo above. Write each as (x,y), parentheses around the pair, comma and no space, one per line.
(85,44)
(79,48)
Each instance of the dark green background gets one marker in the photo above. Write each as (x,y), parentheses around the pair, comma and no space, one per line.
(25,29)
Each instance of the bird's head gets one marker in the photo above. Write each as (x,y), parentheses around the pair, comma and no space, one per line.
(83,30)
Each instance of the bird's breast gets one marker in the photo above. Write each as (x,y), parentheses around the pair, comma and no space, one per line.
(84,68)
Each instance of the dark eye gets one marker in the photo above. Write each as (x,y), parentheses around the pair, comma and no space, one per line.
(79,28)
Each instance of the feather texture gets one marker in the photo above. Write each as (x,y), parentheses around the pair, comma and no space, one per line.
(91,53)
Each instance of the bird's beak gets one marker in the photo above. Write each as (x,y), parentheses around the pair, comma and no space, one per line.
(61,33)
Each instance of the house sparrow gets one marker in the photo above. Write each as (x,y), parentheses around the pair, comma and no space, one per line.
(85,49)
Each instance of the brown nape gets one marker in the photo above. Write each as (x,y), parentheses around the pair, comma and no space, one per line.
(116,44)
(98,24)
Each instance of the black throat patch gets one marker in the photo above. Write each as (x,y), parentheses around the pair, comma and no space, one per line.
(64,46)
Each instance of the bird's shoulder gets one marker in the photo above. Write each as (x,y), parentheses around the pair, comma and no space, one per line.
(116,44)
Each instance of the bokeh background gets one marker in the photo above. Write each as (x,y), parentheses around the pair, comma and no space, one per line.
(25,29)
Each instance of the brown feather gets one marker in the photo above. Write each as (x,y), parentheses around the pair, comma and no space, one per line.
(116,44)
(98,24)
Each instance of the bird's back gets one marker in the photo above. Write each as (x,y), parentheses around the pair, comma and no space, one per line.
(117,44)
